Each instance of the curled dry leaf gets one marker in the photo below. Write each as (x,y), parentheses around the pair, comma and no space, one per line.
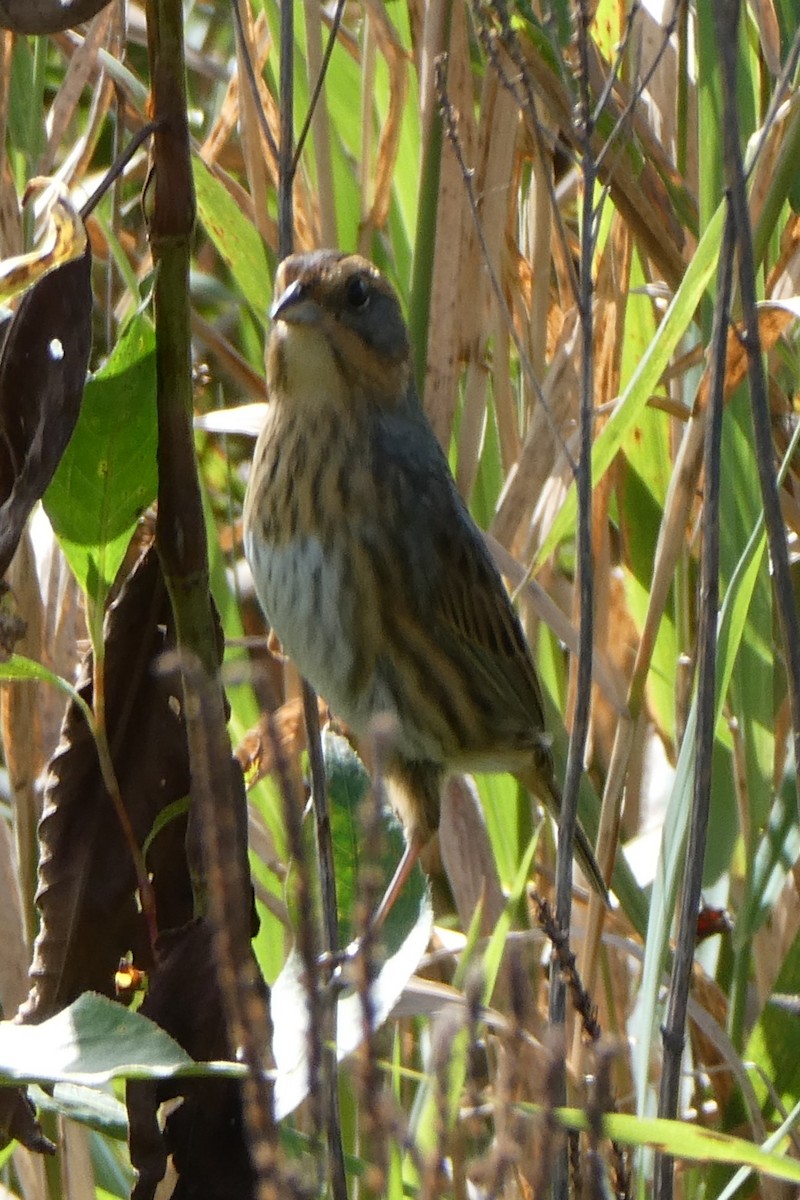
(46,16)
(204,1133)
(63,241)
(43,366)
(89,914)
(87,885)
(18,1122)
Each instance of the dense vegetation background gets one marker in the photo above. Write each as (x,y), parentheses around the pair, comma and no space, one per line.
(589,212)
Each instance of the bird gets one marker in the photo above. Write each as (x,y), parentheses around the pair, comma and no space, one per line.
(371,572)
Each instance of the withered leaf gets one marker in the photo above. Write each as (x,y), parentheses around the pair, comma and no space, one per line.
(45,355)
(47,16)
(90,918)
(18,1122)
(87,882)
(204,1134)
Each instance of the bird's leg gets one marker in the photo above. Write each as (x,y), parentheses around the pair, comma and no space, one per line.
(404,868)
(375,923)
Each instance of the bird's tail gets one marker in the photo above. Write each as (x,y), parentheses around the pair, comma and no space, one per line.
(548,791)
(589,864)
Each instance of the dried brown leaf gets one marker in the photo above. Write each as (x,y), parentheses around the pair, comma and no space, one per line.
(773,320)
(256,751)
(203,1134)
(769,34)
(42,374)
(455,255)
(393,52)
(256,47)
(46,16)
(90,917)
(495,151)
(82,65)
(540,450)
(18,1122)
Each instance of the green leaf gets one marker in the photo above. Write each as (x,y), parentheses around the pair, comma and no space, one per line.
(236,238)
(89,1106)
(676,822)
(20,668)
(348,785)
(682,1139)
(108,475)
(93,1041)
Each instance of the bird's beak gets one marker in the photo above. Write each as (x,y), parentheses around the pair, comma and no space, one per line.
(295,306)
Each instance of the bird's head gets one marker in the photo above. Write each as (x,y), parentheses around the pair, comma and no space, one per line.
(338,335)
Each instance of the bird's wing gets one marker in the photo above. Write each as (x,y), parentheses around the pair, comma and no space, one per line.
(457,591)
(473,608)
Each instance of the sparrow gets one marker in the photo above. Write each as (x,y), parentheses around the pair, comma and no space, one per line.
(370,570)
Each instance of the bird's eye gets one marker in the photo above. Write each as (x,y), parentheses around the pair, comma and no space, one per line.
(357,292)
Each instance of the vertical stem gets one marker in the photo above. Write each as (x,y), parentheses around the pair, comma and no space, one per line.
(286,149)
(726,13)
(325,1028)
(216,839)
(580,725)
(320,126)
(437,39)
(675,1023)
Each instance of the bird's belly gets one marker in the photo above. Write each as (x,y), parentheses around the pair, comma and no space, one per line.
(307,596)
(300,590)
(322,621)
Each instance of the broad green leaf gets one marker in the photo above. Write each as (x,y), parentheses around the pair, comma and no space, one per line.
(671,857)
(348,787)
(108,475)
(509,822)
(682,1139)
(236,238)
(89,1105)
(774,1044)
(92,1041)
(777,852)
(752,685)
(643,482)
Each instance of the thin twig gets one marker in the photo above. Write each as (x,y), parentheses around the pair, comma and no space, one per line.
(583,686)
(285,150)
(567,965)
(306,938)
(330,944)
(117,167)
(323,71)
(379,1116)
(322,1019)
(252,81)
